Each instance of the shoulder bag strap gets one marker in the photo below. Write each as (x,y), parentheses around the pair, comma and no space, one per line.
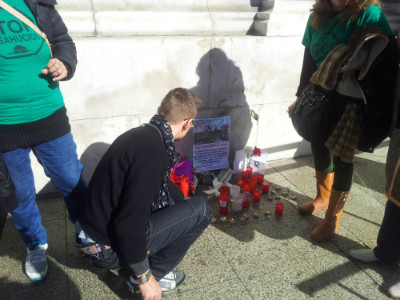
(28,22)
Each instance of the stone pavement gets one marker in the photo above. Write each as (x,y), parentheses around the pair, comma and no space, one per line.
(266,258)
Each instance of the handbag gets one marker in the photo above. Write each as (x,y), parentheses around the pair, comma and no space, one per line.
(25,20)
(314,116)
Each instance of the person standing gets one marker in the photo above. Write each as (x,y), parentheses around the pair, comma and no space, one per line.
(388,241)
(332,23)
(134,218)
(33,116)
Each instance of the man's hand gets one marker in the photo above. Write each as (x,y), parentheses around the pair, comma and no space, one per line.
(151,290)
(291,107)
(56,68)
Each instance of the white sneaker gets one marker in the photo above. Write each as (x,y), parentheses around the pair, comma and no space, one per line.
(394,291)
(364,255)
(171,280)
(36,267)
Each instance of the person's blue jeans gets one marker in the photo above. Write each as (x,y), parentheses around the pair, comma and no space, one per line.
(61,164)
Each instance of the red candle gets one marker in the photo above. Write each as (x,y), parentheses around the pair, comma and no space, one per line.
(256,195)
(250,170)
(185,184)
(253,184)
(224,192)
(260,178)
(240,182)
(246,196)
(279,209)
(265,187)
(245,174)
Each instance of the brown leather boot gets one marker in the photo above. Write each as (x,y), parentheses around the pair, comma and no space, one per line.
(331,223)
(321,201)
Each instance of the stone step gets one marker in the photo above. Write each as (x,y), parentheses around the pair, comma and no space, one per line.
(174,18)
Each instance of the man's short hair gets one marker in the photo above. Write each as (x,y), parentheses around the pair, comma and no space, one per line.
(178,105)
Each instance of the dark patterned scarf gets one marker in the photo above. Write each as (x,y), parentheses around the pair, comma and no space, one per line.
(169,143)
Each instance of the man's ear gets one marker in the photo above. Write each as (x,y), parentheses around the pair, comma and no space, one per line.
(186,125)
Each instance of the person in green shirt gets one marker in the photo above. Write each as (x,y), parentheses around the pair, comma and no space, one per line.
(33,117)
(331,23)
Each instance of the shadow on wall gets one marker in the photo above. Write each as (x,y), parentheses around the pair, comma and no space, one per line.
(221,89)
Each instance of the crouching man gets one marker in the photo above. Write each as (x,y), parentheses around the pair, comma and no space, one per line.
(133,217)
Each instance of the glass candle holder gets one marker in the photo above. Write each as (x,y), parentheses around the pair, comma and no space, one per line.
(240,182)
(250,170)
(224,192)
(265,187)
(260,178)
(256,195)
(279,208)
(246,196)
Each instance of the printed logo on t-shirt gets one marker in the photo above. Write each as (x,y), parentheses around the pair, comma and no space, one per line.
(16,38)
(328,42)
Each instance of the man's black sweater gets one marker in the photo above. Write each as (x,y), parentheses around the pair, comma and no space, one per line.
(115,209)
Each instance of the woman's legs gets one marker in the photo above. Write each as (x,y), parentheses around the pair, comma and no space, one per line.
(323,173)
(26,216)
(338,197)
(60,162)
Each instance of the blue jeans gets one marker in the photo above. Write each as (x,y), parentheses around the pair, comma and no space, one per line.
(61,164)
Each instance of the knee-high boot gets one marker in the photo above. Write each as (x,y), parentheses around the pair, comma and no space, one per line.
(331,223)
(324,186)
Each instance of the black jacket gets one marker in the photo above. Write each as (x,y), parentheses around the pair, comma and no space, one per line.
(50,22)
(378,86)
(117,204)
(8,200)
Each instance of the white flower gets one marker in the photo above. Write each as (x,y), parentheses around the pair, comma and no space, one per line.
(248,150)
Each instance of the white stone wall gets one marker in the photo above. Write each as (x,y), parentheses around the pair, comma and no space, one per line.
(132,52)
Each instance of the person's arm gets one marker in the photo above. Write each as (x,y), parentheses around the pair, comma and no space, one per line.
(308,68)
(63,47)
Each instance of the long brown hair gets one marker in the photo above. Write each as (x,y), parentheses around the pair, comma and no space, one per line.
(323,10)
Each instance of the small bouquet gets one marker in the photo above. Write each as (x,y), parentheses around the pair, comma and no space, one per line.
(184,168)
(251,152)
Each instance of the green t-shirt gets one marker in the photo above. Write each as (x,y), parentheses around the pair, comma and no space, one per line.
(25,94)
(321,42)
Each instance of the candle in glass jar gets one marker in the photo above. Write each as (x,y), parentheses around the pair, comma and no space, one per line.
(279,209)
(256,195)
(265,187)
(245,174)
(224,199)
(240,182)
(260,178)
(246,196)
(250,170)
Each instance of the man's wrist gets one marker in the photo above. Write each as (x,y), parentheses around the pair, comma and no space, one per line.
(141,279)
